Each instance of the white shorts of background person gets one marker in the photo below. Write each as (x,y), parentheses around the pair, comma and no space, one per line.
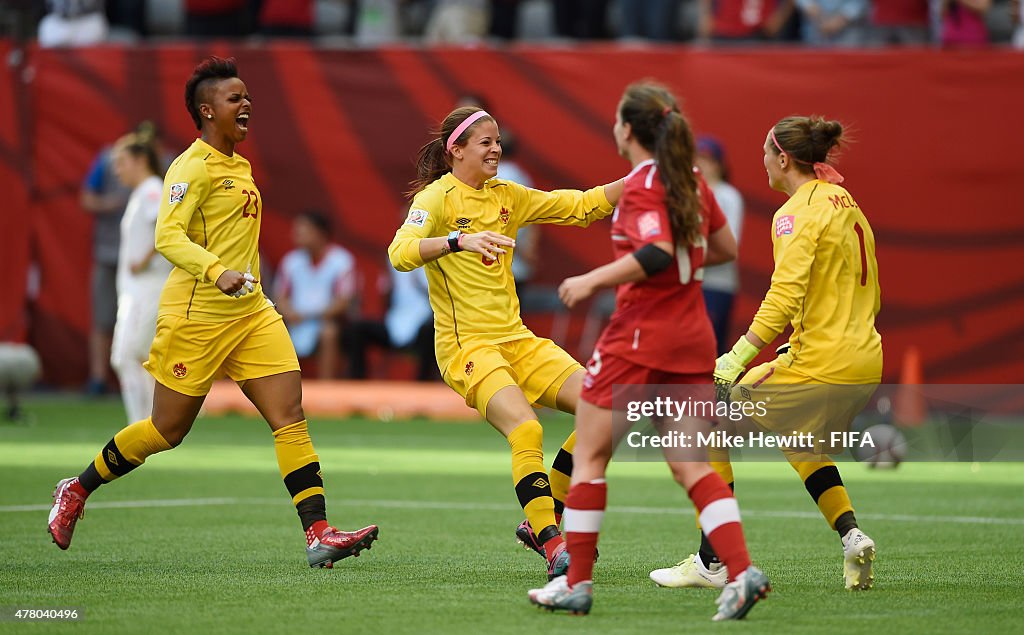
(133,336)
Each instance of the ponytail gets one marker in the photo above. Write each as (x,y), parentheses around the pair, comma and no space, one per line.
(674,152)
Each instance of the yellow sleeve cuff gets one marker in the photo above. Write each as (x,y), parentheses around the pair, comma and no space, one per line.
(214,272)
(764,332)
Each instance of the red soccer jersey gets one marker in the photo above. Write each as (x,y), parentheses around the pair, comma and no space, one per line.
(661,322)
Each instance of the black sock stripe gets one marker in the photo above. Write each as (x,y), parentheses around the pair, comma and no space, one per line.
(559,506)
(822,480)
(116,463)
(311,510)
(563,462)
(531,486)
(90,478)
(304,478)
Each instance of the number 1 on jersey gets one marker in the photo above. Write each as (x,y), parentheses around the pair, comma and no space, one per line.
(863,255)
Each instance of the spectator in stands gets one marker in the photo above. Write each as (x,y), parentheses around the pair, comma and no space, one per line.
(377,21)
(900,22)
(505,19)
(648,19)
(73,23)
(408,325)
(104,197)
(314,291)
(287,18)
(962,22)
(741,21)
(1018,18)
(721,282)
(833,22)
(581,19)
(457,22)
(217,18)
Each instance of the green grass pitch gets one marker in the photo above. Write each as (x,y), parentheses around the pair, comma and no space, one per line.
(204,539)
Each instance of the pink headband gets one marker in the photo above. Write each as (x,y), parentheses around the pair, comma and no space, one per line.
(823,171)
(466,123)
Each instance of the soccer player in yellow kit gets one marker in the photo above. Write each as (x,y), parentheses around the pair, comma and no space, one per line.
(460,227)
(825,285)
(213,320)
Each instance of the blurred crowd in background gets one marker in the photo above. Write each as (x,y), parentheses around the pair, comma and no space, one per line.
(827,23)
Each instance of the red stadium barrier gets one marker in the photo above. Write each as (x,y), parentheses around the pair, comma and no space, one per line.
(938,137)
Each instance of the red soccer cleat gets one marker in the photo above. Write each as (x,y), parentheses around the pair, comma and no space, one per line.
(68,507)
(333,545)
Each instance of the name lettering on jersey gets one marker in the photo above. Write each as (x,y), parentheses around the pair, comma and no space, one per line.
(417,217)
(229,184)
(843,201)
(177,193)
(503,216)
(784,225)
(648,225)
(463,223)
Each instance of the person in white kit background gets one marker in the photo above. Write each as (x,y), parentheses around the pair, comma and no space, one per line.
(141,272)
(314,291)
(721,282)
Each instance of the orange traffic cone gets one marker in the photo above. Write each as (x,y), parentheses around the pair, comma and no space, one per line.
(910,408)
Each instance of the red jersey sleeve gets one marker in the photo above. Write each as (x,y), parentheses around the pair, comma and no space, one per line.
(643,216)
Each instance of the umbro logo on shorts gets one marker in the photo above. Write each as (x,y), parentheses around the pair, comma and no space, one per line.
(229,184)
(179,370)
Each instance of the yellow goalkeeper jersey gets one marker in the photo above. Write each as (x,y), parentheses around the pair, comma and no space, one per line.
(209,222)
(473,300)
(825,285)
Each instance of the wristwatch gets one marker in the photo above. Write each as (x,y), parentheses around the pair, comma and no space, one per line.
(453,241)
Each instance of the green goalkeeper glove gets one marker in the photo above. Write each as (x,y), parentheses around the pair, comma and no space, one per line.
(730,366)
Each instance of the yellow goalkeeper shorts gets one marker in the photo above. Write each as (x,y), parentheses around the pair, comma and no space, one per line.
(535,364)
(187,356)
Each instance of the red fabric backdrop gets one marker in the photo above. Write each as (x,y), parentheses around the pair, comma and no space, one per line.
(938,138)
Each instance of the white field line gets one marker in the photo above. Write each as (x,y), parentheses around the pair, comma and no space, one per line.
(451,505)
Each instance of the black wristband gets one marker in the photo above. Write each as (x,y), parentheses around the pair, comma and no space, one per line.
(453,241)
(652,258)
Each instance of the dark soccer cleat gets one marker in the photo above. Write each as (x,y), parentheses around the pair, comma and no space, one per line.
(559,563)
(68,507)
(334,545)
(526,537)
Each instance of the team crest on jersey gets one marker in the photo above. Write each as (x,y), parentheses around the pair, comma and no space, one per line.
(417,217)
(177,193)
(179,370)
(469,368)
(649,225)
(784,225)
(503,216)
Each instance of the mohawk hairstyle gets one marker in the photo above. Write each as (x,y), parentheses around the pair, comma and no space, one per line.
(212,68)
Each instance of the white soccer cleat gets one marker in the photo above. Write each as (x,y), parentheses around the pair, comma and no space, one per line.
(558,596)
(692,573)
(858,556)
(740,595)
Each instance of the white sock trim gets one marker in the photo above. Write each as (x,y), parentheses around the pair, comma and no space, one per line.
(586,521)
(718,513)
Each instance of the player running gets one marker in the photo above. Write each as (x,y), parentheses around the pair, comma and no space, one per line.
(214,318)
(460,228)
(667,227)
(825,285)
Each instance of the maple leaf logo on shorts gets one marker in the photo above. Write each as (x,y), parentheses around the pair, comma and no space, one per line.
(179,370)
(469,368)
